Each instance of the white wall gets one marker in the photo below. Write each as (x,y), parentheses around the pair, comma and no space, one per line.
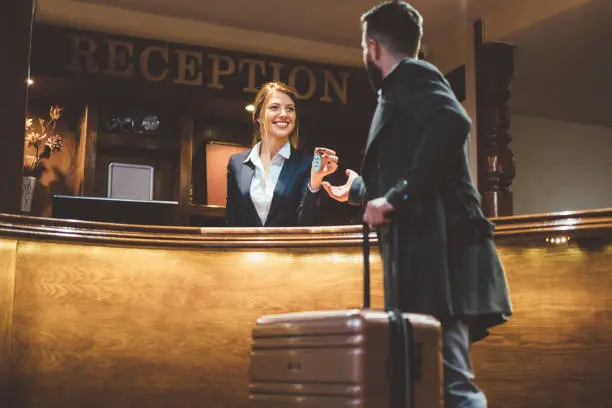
(449,52)
(560,166)
(513,15)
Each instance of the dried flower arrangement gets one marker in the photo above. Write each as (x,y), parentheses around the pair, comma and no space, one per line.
(40,135)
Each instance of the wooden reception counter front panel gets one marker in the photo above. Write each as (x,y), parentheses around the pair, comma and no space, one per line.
(103,315)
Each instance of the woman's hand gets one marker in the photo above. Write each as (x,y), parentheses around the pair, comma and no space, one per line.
(324,163)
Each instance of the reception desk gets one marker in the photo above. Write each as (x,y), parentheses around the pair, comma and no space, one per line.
(113,315)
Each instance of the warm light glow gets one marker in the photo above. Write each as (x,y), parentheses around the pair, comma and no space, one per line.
(30,81)
(250,108)
(255,256)
(558,240)
(337,257)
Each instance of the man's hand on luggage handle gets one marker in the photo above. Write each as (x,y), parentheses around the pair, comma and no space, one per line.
(376,212)
(341,193)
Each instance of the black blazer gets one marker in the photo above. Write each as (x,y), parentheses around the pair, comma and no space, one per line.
(416,156)
(293,204)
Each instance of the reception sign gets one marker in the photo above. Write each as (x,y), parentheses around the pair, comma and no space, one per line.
(95,54)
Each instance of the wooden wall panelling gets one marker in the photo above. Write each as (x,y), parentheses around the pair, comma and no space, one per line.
(121,327)
(91,147)
(161,316)
(157,328)
(186,129)
(8,251)
(555,352)
(14,69)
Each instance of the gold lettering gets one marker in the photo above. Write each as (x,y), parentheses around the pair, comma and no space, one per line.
(217,71)
(144,63)
(76,53)
(276,67)
(312,81)
(120,54)
(252,64)
(190,68)
(190,62)
(341,91)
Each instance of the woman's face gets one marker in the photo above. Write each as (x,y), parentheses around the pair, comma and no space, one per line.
(279,116)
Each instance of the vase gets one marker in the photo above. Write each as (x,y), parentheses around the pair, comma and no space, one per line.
(27,193)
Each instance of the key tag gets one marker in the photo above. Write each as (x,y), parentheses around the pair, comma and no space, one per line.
(316,162)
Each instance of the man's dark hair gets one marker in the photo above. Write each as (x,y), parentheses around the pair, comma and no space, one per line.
(396,25)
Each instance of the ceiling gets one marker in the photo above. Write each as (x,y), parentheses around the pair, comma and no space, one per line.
(328,21)
(563,64)
(563,68)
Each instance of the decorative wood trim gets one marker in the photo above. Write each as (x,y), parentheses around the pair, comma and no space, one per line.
(186,129)
(496,162)
(91,146)
(593,223)
(568,222)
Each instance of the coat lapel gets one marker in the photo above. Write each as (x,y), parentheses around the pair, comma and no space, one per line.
(244,185)
(384,109)
(284,180)
(380,118)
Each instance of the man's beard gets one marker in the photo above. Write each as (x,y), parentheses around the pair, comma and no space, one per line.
(375,74)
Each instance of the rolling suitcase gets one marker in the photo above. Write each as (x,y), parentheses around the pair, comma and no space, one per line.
(361,358)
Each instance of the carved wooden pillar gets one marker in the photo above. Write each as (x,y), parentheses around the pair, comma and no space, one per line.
(496,164)
(15,22)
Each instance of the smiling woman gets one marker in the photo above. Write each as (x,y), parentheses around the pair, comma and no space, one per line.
(274,184)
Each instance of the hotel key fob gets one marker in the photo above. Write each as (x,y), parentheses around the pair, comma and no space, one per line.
(317,161)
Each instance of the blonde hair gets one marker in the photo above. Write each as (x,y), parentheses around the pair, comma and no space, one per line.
(261,100)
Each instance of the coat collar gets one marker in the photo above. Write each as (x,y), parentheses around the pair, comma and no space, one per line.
(254,155)
(391,77)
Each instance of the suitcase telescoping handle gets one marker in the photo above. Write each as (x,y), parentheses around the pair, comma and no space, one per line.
(403,389)
(389,277)
(366,265)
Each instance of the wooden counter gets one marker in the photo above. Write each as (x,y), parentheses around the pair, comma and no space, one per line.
(103,315)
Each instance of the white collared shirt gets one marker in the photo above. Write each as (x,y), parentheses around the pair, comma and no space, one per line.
(262,186)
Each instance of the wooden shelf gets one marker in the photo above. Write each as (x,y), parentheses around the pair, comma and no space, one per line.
(209,211)
(137,142)
(169,152)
